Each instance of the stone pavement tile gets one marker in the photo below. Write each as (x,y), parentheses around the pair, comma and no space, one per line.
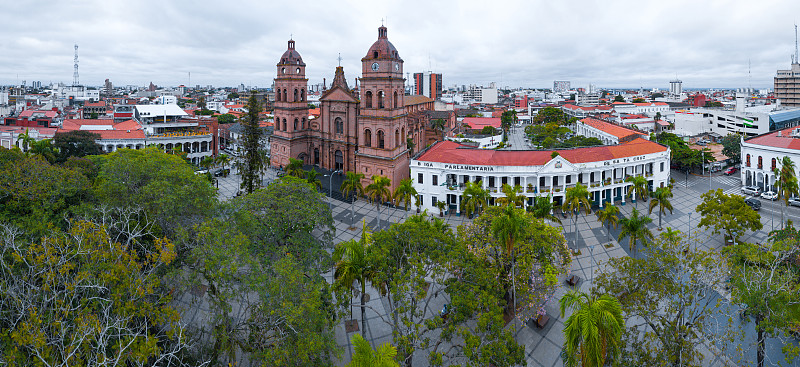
(547,353)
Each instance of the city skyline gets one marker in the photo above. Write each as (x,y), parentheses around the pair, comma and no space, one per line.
(515,44)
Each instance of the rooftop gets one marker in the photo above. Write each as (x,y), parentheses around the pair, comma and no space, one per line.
(452,152)
(615,130)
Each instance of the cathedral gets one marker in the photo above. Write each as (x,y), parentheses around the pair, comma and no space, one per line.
(365,129)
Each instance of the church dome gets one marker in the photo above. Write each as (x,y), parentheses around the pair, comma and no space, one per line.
(291,56)
(382,48)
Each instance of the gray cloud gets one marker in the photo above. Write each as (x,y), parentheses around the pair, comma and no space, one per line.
(514,43)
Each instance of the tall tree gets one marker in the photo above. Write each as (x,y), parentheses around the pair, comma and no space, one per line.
(542,208)
(728,213)
(474,198)
(575,198)
(79,143)
(635,228)
(638,188)
(661,200)
(378,191)
(353,263)
(507,229)
(405,192)
(251,143)
(787,183)
(592,333)
(609,217)
(764,281)
(44,148)
(80,298)
(668,299)
(352,186)
(439,125)
(223,160)
(732,148)
(365,356)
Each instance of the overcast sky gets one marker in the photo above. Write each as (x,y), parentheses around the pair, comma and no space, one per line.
(514,43)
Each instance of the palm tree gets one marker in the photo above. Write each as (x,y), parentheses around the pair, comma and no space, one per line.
(474,198)
(312,177)
(575,198)
(378,192)
(511,198)
(635,228)
(661,200)
(223,160)
(26,140)
(364,356)
(438,124)
(441,205)
(352,185)
(507,228)
(352,264)
(787,182)
(608,216)
(207,162)
(45,149)
(542,208)
(592,333)
(638,187)
(404,192)
(295,168)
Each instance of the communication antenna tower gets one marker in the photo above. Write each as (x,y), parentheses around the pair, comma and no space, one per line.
(796,55)
(75,79)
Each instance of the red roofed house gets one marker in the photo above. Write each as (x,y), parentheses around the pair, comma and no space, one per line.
(763,153)
(477,123)
(34,118)
(9,135)
(441,172)
(607,132)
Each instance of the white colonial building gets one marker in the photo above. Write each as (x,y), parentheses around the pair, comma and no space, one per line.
(608,133)
(441,172)
(762,154)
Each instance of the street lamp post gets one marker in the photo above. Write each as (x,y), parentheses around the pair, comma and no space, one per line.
(330,188)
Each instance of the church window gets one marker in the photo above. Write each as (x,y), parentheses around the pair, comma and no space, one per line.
(367,138)
(374,54)
(368,99)
(278,95)
(295,96)
(381,143)
(396,104)
(302,94)
(285,128)
(295,124)
(397,137)
(303,125)
(380,99)
(285,99)
(339,125)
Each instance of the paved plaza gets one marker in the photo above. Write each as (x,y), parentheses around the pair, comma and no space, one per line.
(543,346)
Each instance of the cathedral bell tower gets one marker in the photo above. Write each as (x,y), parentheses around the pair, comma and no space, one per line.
(291,135)
(382,127)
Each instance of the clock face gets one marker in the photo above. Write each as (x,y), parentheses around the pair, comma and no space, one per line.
(396,67)
(375,66)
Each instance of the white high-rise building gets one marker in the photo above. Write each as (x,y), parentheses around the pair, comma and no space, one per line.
(675,87)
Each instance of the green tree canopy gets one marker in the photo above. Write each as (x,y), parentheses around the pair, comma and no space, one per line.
(78,143)
(732,148)
(161,184)
(728,213)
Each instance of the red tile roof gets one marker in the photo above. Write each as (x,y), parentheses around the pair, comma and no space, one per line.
(455,153)
(786,140)
(129,129)
(616,130)
(479,122)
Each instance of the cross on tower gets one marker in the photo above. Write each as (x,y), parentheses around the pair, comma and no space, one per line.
(340,59)
(381,22)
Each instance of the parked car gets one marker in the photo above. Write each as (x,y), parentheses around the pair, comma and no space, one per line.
(751,190)
(222,172)
(730,171)
(794,201)
(753,203)
(770,195)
